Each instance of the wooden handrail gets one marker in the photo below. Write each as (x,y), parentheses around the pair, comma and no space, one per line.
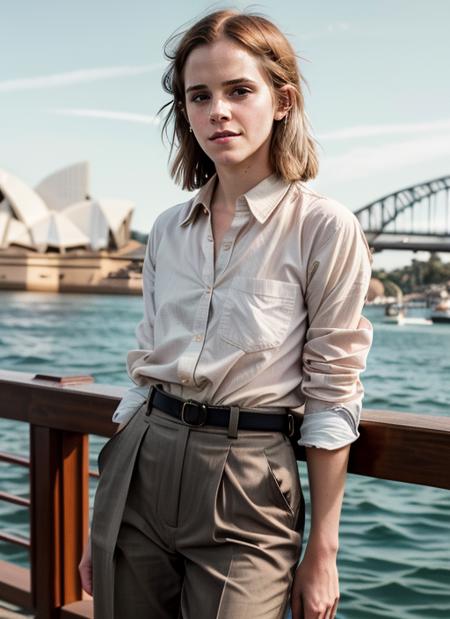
(15,585)
(404,447)
(20,460)
(15,539)
(14,459)
(13,498)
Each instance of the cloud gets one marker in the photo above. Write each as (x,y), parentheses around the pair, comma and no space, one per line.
(338,26)
(110,115)
(365,131)
(332,28)
(368,161)
(75,77)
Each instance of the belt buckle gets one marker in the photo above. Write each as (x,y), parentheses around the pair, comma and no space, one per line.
(291,425)
(202,407)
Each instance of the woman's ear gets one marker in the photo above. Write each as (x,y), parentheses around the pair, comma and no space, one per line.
(285,97)
(181,108)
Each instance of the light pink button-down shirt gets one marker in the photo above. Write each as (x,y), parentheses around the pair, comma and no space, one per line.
(275,322)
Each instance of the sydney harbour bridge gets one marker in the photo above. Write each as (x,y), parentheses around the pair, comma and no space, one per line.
(413,218)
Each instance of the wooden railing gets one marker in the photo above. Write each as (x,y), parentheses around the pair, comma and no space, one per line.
(396,446)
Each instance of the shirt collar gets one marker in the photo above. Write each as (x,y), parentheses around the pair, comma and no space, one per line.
(201,199)
(262,199)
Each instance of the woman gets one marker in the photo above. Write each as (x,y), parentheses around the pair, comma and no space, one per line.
(253,292)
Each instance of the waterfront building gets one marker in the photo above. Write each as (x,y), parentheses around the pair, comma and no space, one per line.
(58,237)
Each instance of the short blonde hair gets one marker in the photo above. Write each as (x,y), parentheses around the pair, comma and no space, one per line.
(293,154)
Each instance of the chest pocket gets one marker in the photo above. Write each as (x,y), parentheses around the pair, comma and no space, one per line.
(257,313)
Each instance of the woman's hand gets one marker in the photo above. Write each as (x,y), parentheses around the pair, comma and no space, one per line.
(315,590)
(85,565)
(85,568)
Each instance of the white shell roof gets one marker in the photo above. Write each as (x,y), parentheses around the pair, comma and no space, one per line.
(18,233)
(91,220)
(115,211)
(56,230)
(65,186)
(27,205)
(4,222)
(60,213)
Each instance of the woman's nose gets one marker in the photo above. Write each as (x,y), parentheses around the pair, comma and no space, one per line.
(218,110)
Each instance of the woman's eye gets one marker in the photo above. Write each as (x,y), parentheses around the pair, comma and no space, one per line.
(196,97)
(242,90)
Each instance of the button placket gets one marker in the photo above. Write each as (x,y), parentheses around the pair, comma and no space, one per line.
(189,359)
(240,218)
(212,272)
(191,356)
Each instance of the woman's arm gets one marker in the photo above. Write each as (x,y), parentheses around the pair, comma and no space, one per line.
(315,590)
(137,394)
(327,470)
(337,342)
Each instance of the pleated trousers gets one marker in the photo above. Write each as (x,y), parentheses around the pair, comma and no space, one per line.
(191,523)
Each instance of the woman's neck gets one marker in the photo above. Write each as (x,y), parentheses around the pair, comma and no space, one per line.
(232,184)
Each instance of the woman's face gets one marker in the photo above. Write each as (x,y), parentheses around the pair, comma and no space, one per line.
(226,90)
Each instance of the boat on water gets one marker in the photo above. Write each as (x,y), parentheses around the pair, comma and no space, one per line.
(395,313)
(441,313)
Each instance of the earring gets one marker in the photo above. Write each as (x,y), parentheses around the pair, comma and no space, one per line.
(190,129)
(285,119)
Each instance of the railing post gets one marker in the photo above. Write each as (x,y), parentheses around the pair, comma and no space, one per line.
(59,481)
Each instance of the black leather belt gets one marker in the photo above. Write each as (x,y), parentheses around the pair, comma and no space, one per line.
(195,414)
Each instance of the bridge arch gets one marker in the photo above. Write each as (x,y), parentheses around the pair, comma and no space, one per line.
(415,217)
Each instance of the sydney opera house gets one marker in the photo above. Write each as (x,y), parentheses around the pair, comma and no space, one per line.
(57,237)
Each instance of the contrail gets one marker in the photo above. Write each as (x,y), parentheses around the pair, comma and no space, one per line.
(76,77)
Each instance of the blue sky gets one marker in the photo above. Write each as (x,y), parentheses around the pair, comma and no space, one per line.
(82,81)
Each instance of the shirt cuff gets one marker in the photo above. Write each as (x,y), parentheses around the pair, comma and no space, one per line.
(332,427)
(130,403)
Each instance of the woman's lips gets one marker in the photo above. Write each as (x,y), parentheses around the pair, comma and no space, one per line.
(224,138)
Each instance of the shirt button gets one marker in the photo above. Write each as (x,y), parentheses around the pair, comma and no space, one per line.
(198,338)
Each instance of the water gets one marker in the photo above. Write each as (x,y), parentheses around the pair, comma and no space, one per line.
(394,556)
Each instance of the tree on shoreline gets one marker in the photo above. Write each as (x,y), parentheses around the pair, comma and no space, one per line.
(417,276)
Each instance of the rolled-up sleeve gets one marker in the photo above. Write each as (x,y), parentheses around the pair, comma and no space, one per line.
(130,403)
(136,395)
(339,337)
(144,330)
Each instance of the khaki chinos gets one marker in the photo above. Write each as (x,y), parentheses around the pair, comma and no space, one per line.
(195,522)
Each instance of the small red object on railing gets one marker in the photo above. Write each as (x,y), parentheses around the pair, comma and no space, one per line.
(65,380)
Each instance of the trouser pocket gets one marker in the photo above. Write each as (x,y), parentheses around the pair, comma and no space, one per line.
(261,484)
(283,472)
(115,438)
